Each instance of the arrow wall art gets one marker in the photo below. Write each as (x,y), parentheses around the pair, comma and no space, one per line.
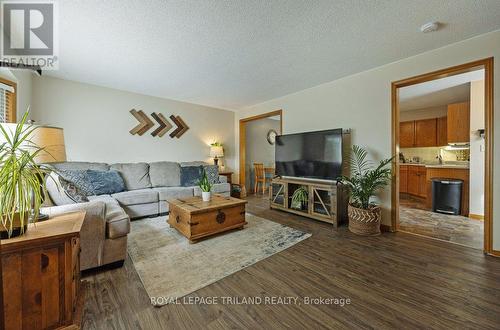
(145,124)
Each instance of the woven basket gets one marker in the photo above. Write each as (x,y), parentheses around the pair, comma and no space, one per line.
(364,222)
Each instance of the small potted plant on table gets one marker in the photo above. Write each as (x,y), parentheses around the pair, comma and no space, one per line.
(205,187)
(364,182)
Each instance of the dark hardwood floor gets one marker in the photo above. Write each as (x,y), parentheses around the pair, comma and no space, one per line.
(396,280)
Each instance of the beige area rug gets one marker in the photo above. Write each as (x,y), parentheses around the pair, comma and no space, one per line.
(170,267)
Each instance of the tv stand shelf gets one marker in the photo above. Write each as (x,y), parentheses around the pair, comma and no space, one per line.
(327,200)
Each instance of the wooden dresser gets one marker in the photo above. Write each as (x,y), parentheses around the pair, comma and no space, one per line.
(41,274)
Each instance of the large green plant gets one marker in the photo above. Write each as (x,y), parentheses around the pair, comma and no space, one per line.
(204,184)
(20,177)
(365,179)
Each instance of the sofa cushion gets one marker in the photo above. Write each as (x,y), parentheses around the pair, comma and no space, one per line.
(190,175)
(71,190)
(166,193)
(165,174)
(79,178)
(135,175)
(55,191)
(117,220)
(212,173)
(105,182)
(80,166)
(218,188)
(134,197)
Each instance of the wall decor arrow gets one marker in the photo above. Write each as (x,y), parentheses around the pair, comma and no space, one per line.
(164,124)
(144,122)
(164,127)
(181,126)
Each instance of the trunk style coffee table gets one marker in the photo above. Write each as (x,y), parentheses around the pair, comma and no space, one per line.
(196,219)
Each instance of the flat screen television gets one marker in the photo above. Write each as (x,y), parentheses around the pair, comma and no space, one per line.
(312,155)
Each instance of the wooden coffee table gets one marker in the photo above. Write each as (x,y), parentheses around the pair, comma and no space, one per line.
(196,219)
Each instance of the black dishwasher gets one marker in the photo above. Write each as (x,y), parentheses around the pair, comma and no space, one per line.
(447,196)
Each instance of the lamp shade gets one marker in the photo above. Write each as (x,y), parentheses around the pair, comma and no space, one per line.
(50,139)
(216,151)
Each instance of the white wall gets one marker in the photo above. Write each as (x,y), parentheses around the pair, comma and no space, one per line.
(96,122)
(427,113)
(363,102)
(258,150)
(477,155)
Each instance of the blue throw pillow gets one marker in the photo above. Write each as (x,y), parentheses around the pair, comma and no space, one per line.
(191,175)
(105,182)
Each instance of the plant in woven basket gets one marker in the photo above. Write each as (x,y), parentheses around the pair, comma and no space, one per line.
(299,198)
(20,184)
(365,181)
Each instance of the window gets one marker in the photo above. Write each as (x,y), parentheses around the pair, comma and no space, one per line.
(7,101)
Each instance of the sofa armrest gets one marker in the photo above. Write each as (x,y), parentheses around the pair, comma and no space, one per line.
(222,179)
(93,232)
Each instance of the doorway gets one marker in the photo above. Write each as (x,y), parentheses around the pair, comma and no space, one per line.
(420,180)
(253,144)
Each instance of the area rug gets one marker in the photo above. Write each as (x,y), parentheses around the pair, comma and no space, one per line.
(170,267)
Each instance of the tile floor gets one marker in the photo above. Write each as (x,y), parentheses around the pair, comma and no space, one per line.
(414,217)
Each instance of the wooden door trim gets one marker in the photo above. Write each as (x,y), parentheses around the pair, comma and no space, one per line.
(242,137)
(487,65)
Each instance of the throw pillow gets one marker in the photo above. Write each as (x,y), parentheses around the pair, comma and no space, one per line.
(105,182)
(72,191)
(79,178)
(190,175)
(212,173)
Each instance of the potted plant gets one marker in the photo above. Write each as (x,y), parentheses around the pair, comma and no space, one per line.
(300,198)
(205,187)
(365,180)
(20,184)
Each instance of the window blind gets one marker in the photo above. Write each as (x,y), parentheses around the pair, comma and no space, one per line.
(6,103)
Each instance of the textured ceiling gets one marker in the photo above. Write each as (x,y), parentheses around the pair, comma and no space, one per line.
(232,54)
(438,92)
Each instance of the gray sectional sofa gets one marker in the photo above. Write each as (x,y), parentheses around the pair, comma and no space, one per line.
(148,187)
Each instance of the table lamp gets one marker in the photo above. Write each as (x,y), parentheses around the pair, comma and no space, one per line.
(215,153)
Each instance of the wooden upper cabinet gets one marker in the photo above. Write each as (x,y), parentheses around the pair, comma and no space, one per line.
(459,123)
(407,134)
(426,133)
(442,131)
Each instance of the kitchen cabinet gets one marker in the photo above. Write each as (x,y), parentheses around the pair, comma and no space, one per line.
(416,181)
(407,134)
(458,123)
(413,182)
(426,133)
(419,133)
(422,181)
(442,131)
(403,178)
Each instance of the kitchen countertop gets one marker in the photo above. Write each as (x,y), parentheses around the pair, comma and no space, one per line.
(457,166)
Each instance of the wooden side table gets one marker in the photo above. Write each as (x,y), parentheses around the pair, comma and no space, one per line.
(41,275)
(228,175)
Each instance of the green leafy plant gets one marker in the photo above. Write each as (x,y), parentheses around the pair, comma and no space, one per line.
(365,180)
(204,184)
(216,144)
(299,198)
(20,177)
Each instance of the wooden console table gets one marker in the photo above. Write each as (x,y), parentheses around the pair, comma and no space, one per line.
(327,201)
(41,274)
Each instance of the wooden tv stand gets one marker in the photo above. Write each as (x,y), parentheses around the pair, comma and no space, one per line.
(327,201)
